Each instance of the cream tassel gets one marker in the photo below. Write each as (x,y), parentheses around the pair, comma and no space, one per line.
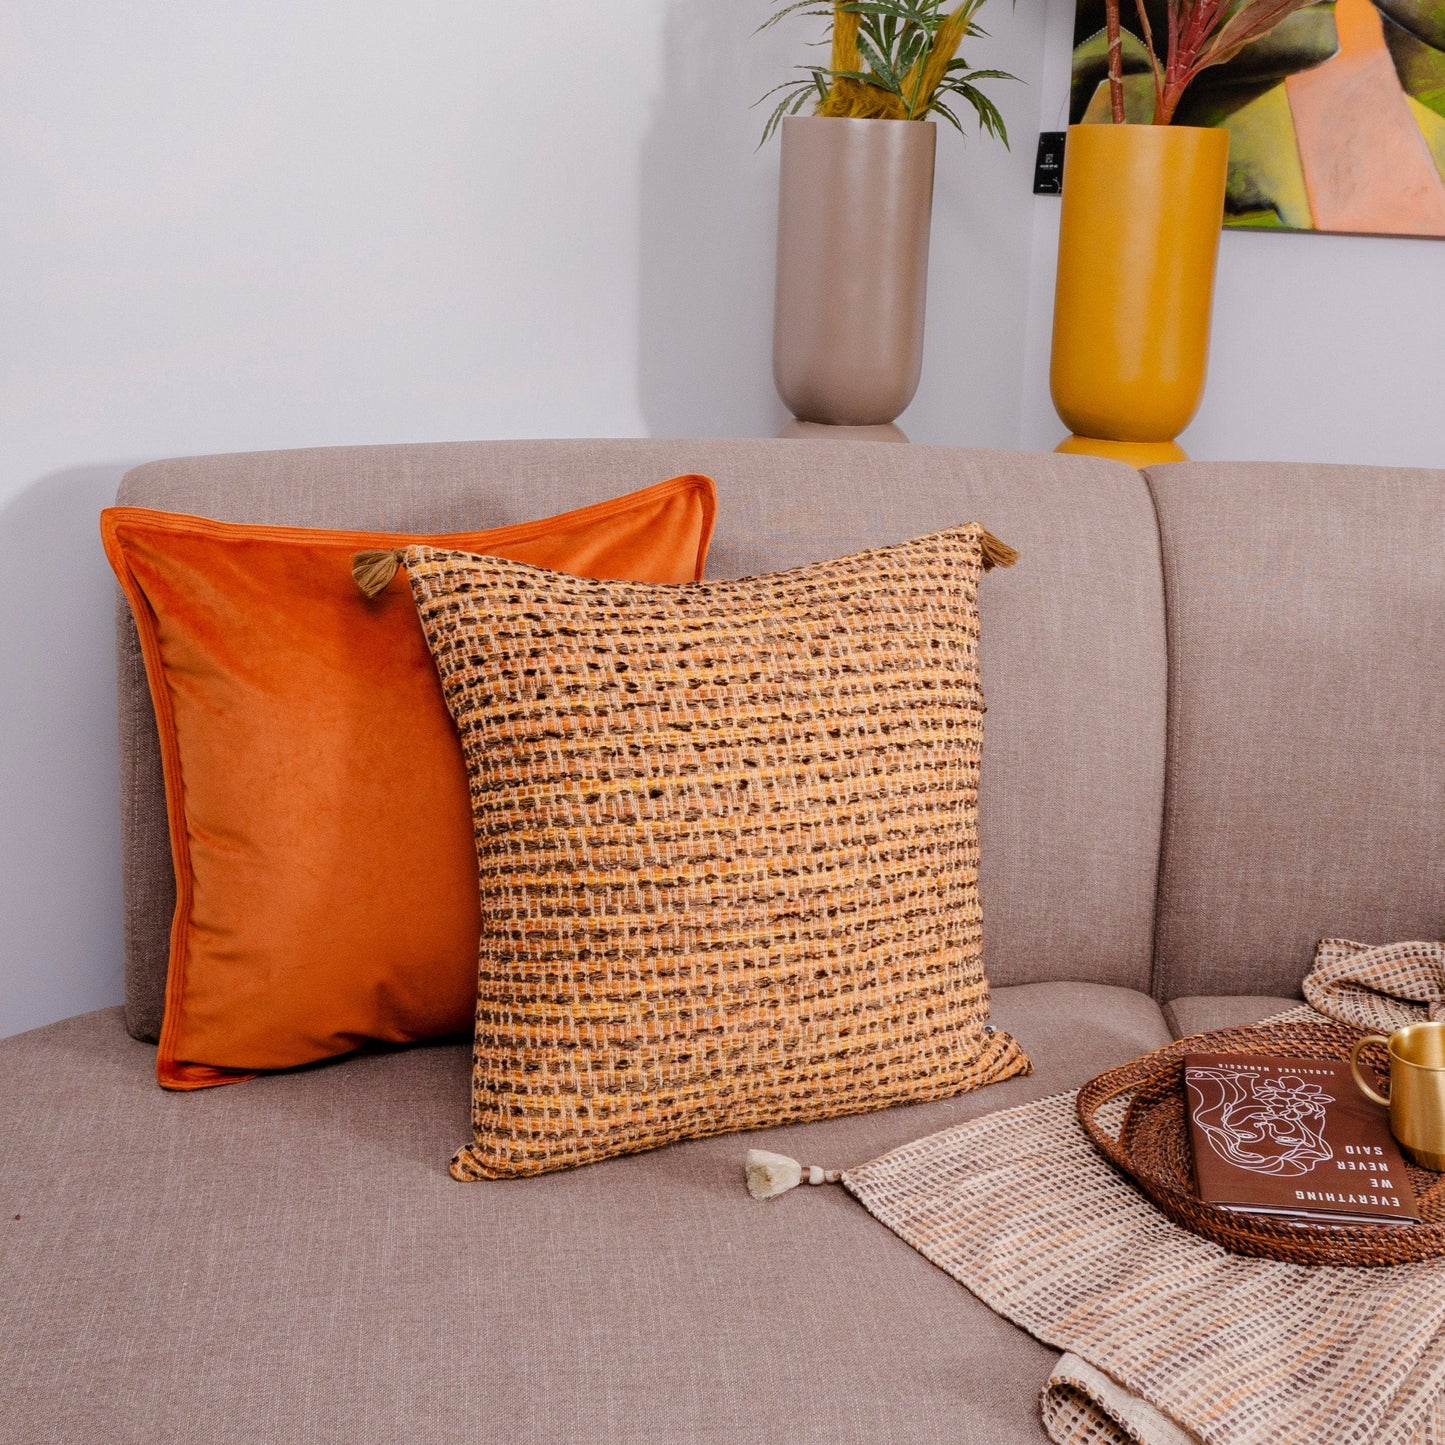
(770,1174)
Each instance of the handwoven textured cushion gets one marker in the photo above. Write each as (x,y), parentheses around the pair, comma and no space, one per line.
(727,841)
(320,830)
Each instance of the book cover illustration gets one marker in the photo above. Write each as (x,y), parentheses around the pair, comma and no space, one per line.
(1293,1137)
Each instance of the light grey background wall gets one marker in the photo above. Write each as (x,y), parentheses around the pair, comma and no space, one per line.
(267,225)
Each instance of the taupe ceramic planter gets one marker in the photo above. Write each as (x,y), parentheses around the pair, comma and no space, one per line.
(854,205)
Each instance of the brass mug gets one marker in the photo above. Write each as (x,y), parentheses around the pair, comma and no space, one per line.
(1417,1089)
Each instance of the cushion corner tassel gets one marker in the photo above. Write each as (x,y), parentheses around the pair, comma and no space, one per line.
(373,570)
(996,553)
(772,1174)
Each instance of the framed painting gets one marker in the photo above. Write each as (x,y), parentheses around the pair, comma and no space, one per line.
(1336,119)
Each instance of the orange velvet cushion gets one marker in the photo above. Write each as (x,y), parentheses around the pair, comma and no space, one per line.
(321,830)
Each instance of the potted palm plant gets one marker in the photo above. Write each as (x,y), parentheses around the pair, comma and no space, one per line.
(855,202)
(1139,238)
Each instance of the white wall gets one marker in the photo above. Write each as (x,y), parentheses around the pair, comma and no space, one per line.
(267,224)
(1325,348)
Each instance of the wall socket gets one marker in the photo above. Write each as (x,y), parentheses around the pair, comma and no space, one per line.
(1049,164)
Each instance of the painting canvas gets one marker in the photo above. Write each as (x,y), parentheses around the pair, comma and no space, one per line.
(1336,120)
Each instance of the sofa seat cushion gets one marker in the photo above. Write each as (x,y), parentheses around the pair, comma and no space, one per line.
(216,1266)
(1200,1013)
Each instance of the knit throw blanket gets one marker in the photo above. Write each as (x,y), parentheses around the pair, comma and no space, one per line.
(1169,1339)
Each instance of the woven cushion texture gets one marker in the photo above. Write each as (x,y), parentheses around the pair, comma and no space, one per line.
(727,841)
(302,928)
(1076,732)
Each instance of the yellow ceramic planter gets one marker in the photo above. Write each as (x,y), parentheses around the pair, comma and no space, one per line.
(1142,210)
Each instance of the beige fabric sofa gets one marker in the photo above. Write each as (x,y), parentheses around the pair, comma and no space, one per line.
(1215,735)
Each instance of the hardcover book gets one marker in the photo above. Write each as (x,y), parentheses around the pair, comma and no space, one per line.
(1293,1137)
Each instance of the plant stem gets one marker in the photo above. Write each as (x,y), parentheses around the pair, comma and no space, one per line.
(1116,61)
(1162,113)
(1187,43)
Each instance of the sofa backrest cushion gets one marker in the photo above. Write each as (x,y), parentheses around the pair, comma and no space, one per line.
(1306,787)
(1072,656)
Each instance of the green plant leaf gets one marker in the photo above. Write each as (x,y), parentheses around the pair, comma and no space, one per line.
(791,10)
(883,73)
(786,85)
(990,121)
(939,108)
(980,74)
(898,10)
(913,45)
(896,41)
(802,91)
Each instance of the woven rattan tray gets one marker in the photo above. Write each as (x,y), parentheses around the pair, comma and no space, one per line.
(1151,1146)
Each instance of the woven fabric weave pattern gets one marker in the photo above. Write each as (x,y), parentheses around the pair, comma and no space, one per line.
(1384,988)
(728,846)
(1231,1350)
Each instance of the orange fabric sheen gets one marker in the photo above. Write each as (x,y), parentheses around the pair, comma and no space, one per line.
(321,828)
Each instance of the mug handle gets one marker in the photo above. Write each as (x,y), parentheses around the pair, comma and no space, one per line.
(1358,1077)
